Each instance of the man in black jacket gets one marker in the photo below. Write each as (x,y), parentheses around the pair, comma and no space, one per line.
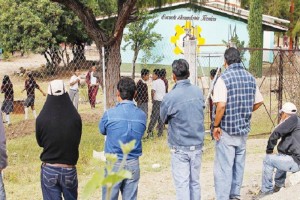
(288,157)
(58,132)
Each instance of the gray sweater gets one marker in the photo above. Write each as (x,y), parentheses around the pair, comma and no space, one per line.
(3,155)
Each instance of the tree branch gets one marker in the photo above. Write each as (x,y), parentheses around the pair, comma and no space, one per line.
(88,19)
(124,14)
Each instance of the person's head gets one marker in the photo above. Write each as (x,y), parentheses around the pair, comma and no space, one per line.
(163,73)
(30,76)
(93,68)
(76,71)
(232,55)
(56,88)
(156,74)
(213,73)
(126,89)
(5,79)
(180,69)
(145,74)
(287,109)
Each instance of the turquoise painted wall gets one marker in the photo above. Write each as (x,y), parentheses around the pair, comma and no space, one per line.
(215,28)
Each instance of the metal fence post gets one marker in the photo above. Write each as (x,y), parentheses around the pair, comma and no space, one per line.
(280,81)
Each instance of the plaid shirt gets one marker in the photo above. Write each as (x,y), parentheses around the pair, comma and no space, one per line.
(241,88)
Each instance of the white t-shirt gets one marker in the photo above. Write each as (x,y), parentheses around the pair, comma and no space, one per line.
(220,93)
(72,79)
(160,89)
(93,79)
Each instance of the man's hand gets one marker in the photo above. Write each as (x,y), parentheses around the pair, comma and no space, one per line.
(217,133)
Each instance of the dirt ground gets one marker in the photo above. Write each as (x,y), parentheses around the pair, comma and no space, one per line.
(159,185)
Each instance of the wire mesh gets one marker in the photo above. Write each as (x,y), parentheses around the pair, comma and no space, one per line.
(25,84)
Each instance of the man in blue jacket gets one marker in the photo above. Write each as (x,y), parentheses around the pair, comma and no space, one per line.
(182,109)
(124,123)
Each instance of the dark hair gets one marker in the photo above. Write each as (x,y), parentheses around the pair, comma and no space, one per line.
(163,72)
(93,64)
(126,86)
(156,72)
(75,69)
(144,72)
(6,79)
(181,69)
(232,55)
(213,72)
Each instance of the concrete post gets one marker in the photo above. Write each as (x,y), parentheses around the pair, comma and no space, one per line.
(190,54)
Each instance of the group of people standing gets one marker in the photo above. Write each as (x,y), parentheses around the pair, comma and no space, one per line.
(8,90)
(93,82)
(235,97)
(31,85)
(158,91)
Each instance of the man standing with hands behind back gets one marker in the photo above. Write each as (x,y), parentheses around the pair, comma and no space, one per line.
(236,97)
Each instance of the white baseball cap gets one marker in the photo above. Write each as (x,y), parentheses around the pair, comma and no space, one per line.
(56,88)
(288,108)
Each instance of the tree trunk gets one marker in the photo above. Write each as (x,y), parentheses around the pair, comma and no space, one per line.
(136,52)
(112,72)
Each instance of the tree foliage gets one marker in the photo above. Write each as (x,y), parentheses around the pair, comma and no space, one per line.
(39,26)
(108,34)
(141,37)
(255,36)
(23,27)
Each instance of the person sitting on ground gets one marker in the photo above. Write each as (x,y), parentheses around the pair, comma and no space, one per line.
(288,157)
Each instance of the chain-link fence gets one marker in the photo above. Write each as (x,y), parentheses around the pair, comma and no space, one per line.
(24,80)
(25,86)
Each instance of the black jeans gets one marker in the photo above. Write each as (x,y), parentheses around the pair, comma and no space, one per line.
(156,118)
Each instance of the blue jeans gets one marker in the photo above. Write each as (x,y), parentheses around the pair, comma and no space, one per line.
(186,164)
(283,163)
(128,187)
(56,181)
(2,190)
(229,166)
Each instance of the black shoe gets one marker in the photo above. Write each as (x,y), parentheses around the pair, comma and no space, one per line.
(234,198)
(276,188)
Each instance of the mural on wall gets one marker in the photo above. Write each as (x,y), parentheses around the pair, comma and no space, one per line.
(186,32)
(207,27)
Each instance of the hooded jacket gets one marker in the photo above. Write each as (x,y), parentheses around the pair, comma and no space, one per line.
(58,130)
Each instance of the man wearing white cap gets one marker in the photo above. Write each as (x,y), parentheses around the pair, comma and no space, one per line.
(58,132)
(288,157)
